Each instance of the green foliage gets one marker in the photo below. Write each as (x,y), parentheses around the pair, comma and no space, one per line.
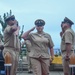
(1,36)
(2,20)
(23,52)
(21,32)
(4,24)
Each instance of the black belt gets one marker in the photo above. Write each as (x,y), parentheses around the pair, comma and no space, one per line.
(65,50)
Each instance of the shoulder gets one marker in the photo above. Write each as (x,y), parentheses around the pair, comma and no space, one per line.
(69,31)
(33,34)
(47,34)
(7,27)
(30,34)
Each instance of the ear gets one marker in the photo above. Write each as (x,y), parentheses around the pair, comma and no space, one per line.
(43,27)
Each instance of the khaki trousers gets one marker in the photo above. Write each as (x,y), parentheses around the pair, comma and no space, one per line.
(40,66)
(14,61)
(65,64)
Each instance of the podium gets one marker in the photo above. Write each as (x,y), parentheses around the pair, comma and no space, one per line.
(8,63)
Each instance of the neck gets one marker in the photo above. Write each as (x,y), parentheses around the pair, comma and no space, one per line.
(40,32)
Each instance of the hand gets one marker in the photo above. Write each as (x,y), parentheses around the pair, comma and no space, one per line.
(67,58)
(18,28)
(51,59)
(17,31)
(14,28)
(61,33)
(15,22)
(32,29)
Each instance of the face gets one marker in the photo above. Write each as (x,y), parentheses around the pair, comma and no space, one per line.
(65,26)
(39,28)
(11,21)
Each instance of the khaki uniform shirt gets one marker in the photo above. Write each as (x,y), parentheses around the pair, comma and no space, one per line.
(11,40)
(68,37)
(28,45)
(40,45)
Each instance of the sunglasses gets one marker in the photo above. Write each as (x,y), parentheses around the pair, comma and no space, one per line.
(11,19)
(39,25)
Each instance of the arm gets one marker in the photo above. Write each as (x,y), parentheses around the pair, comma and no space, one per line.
(13,28)
(17,31)
(68,42)
(61,33)
(51,45)
(52,52)
(24,36)
(68,48)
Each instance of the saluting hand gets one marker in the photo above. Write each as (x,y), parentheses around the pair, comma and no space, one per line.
(32,29)
(61,33)
(18,28)
(15,22)
(67,58)
(17,31)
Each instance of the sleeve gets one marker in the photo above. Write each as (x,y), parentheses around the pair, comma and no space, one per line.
(51,44)
(68,37)
(8,29)
(29,37)
(28,45)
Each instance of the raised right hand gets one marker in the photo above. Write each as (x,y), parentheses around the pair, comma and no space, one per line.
(67,58)
(61,33)
(15,22)
(32,29)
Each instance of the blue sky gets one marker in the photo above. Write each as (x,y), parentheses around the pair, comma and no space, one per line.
(52,11)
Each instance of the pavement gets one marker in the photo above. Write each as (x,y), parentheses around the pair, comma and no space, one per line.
(51,73)
(23,68)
